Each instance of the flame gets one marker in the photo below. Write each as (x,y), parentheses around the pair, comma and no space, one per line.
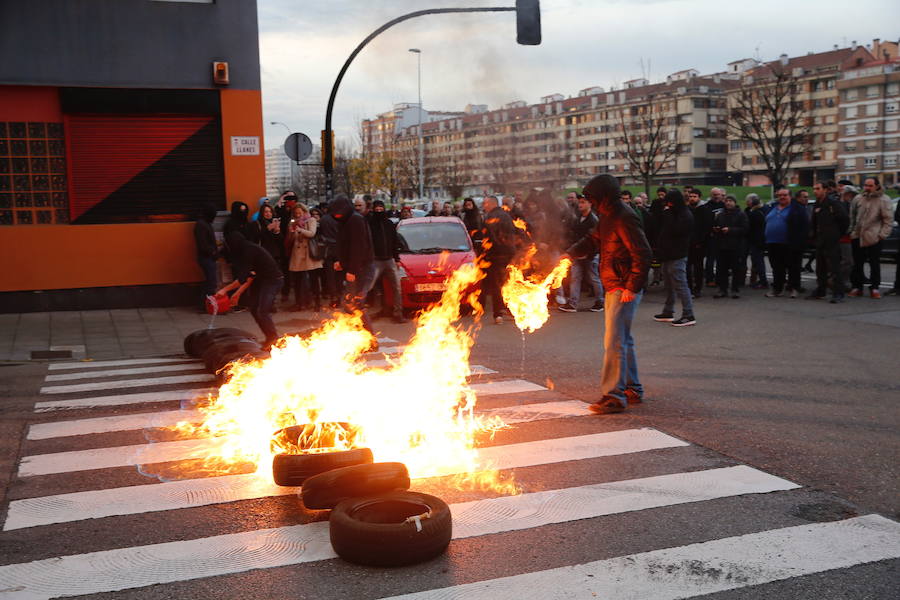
(526,297)
(521,224)
(418,410)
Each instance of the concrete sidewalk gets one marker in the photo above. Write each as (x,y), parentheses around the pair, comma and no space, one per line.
(121,333)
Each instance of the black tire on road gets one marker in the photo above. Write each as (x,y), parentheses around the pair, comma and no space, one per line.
(391,529)
(196,343)
(297,438)
(291,470)
(327,489)
(214,353)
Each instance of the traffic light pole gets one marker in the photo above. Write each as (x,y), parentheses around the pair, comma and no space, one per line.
(328,151)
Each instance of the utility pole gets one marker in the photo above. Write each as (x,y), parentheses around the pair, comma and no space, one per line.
(421,135)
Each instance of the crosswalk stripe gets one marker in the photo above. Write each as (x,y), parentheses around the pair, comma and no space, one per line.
(99,364)
(699,569)
(113,570)
(193,366)
(517,414)
(124,399)
(126,383)
(188,493)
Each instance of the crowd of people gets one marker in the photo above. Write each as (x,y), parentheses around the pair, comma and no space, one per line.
(329,255)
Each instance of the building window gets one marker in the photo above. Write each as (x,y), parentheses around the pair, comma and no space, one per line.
(850,147)
(872,110)
(33,187)
(850,163)
(851,94)
(870,162)
(890,107)
(890,161)
(891,125)
(872,91)
(851,130)
(871,127)
(850,112)
(893,89)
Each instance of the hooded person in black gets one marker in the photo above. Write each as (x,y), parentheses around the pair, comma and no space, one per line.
(256,270)
(386,249)
(207,251)
(499,245)
(238,220)
(676,225)
(355,257)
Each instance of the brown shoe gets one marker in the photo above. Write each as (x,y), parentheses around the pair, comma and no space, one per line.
(606,406)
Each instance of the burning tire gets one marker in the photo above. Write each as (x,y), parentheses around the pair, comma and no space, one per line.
(327,489)
(212,358)
(391,529)
(292,470)
(222,375)
(196,343)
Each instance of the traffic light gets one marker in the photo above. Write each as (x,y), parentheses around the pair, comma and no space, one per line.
(528,22)
(328,142)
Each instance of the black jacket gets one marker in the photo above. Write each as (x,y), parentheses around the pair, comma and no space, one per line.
(624,251)
(354,241)
(251,260)
(204,236)
(582,228)
(702,224)
(271,241)
(328,230)
(756,226)
(239,222)
(501,237)
(736,222)
(385,244)
(676,228)
(798,226)
(471,218)
(829,221)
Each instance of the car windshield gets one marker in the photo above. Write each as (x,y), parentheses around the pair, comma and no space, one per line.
(433,238)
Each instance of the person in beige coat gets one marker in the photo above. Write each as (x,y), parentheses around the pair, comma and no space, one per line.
(870,224)
(306,271)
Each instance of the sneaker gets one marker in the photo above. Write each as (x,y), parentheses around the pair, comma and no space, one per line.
(892,292)
(876,295)
(684,321)
(773,294)
(597,307)
(664,316)
(606,406)
(560,299)
(567,308)
(633,396)
(794,293)
(498,320)
(855,293)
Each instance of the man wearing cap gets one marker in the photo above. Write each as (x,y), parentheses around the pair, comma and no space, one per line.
(386,248)
(624,262)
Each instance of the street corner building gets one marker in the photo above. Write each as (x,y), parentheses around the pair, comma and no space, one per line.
(119,119)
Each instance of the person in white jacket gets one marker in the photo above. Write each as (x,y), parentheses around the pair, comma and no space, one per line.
(870,224)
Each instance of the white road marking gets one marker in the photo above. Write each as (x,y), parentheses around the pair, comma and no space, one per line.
(871,538)
(127,362)
(119,372)
(699,569)
(76,506)
(473,369)
(126,383)
(513,414)
(124,399)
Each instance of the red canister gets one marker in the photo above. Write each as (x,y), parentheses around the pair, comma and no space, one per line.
(218,305)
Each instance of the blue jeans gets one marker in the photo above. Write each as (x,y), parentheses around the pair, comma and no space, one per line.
(675,280)
(261,303)
(620,370)
(579,268)
(355,294)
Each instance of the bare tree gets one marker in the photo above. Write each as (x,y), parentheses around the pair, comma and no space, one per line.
(650,141)
(765,111)
(502,162)
(454,177)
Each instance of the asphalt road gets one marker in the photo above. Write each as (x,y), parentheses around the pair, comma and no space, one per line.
(763,464)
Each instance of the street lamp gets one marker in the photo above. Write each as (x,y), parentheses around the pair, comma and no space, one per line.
(293,174)
(418,54)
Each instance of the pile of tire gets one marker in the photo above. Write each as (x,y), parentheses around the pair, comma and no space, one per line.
(375,520)
(220,347)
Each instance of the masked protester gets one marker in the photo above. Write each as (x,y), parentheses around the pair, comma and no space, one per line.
(675,231)
(355,258)
(386,250)
(624,262)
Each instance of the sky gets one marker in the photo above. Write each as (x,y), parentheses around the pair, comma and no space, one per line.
(474,58)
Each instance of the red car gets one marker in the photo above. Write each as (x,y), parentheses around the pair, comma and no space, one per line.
(424,272)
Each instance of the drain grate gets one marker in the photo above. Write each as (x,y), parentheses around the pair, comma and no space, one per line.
(51,354)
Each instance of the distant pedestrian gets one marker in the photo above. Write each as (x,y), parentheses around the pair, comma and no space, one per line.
(333,280)
(624,263)
(587,267)
(847,193)
(756,243)
(829,222)
(870,225)
(714,205)
(256,273)
(700,234)
(729,232)
(676,228)
(798,241)
(207,251)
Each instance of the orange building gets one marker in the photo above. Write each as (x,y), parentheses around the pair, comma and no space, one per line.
(116,124)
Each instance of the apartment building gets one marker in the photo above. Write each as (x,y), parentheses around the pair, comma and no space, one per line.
(817,76)
(566,141)
(869,138)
